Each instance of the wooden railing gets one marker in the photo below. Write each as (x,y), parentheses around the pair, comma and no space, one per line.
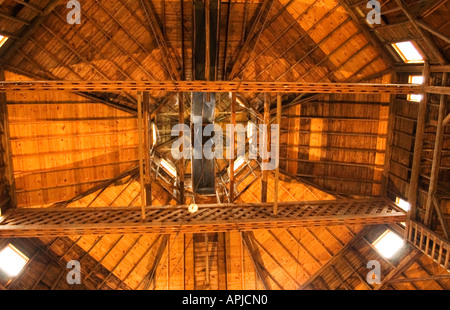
(430,243)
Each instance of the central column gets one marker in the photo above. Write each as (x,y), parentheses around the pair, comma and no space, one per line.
(205,37)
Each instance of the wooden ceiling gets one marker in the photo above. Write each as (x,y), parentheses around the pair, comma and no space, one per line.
(80,148)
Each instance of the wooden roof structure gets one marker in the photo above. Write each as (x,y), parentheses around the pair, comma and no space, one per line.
(82,176)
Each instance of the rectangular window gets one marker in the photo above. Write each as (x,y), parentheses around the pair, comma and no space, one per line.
(3,40)
(388,244)
(403,204)
(12,260)
(408,52)
(169,168)
(415,79)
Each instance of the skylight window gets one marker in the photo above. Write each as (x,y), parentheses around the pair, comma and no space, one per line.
(169,167)
(403,204)
(3,39)
(408,52)
(388,244)
(154,134)
(238,162)
(415,79)
(12,260)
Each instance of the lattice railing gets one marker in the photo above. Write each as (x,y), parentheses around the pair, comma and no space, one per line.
(209,218)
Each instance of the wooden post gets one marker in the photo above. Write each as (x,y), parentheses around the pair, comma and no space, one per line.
(141,154)
(6,202)
(277,170)
(148,143)
(181,161)
(266,139)
(420,129)
(232,145)
(438,142)
(389,141)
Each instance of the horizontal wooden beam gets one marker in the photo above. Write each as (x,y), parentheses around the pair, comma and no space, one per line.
(210,86)
(36,222)
(440,90)
(418,68)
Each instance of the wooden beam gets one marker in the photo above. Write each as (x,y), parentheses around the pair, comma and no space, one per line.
(98,187)
(159,37)
(446,120)
(141,155)
(35,222)
(440,215)
(261,271)
(418,68)
(438,34)
(439,90)
(418,145)
(335,258)
(152,273)
(266,139)
(420,279)
(404,264)
(368,34)
(218,87)
(425,37)
(277,170)
(260,16)
(11,49)
(181,166)
(148,145)
(389,141)
(232,147)
(15,19)
(437,152)
(5,142)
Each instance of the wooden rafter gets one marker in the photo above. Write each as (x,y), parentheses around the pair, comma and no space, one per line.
(256,28)
(263,274)
(11,50)
(369,35)
(159,37)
